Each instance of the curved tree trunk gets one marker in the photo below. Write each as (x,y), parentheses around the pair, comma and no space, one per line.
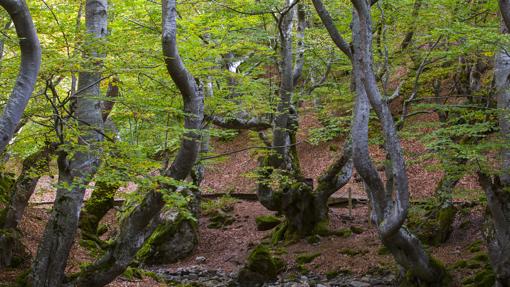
(143,220)
(75,172)
(388,213)
(29,67)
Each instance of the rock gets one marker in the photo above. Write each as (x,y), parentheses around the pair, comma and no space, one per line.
(200,259)
(359,284)
(267,222)
(261,266)
(220,218)
(174,239)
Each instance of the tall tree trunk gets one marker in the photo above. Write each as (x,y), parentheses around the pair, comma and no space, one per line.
(102,198)
(497,231)
(75,172)
(29,67)
(390,202)
(142,221)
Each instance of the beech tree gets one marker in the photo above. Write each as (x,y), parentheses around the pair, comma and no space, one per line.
(139,224)
(75,170)
(12,113)
(390,200)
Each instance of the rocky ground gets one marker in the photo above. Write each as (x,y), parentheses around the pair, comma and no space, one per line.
(196,276)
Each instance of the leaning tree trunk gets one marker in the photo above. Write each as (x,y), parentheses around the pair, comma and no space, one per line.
(22,189)
(75,172)
(143,220)
(29,67)
(390,203)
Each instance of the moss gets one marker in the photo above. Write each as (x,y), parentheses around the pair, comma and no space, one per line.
(383,251)
(279,233)
(322,228)
(334,273)
(443,278)
(225,203)
(220,219)
(22,279)
(261,261)
(356,230)
(313,239)
(484,278)
(352,252)
(267,222)
(307,258)
(302,269)
(159,236)
(343,232)
(459,265)
(481,257)
(475,246)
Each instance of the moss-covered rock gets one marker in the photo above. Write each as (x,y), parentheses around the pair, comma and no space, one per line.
(261,266)
(307,258)
(267,222)
(219,219)
(174,239)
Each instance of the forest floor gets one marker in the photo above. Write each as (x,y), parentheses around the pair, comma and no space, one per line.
(226,249)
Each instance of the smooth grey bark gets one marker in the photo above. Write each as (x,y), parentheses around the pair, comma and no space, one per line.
(29,67)
(75,172)
(390,202)
(102,198)
(142,221)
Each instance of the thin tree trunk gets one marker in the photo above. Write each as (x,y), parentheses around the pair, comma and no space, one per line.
(389,213)
(75,172)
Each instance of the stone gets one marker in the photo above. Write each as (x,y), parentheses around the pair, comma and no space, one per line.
(359,284)
(200,259)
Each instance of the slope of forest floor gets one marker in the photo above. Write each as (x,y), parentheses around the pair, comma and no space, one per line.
(226,248)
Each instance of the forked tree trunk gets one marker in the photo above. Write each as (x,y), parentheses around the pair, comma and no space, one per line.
(75,172)
(389,201)
(143,220)
(281,186)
